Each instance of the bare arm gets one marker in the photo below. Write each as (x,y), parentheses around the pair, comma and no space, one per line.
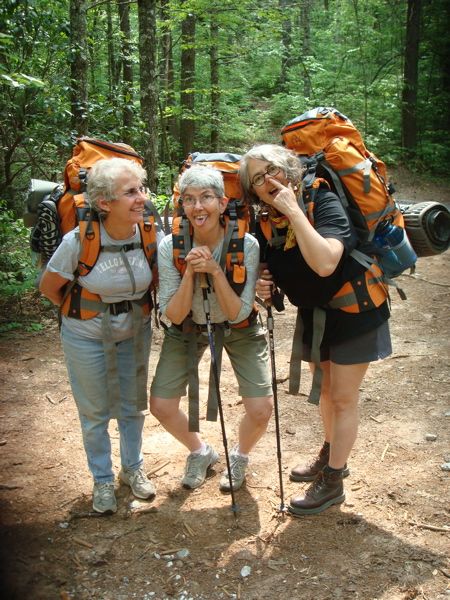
(52,287)
(180,304)
(321,254)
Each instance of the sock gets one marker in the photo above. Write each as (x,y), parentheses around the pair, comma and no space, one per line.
(202,451)
(329,469)
(238,452)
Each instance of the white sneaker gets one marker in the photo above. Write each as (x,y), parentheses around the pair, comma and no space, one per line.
(140,484)
(104,499)
(197,466)
(238,465)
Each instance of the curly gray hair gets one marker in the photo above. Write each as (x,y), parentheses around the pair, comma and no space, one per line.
(279,156)
(104,176)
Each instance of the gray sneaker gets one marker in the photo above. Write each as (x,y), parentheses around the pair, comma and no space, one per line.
(104,499)
(197,466)
(238,465)
(140,484)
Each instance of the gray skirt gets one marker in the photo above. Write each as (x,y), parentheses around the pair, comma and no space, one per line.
(374,345)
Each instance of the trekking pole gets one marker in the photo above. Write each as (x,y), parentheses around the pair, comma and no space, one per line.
(268,305)
(204,285)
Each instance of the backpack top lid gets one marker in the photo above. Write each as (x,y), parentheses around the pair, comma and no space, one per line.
(228,164)
(315,129)
(86,152)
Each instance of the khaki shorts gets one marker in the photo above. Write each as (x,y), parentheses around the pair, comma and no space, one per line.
(247,350)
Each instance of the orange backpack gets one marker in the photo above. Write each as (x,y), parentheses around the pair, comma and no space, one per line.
(329,145)
(86,152)
(51,207)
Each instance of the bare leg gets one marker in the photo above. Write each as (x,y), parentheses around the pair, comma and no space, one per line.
(343,406)
(325,407)
(254,422)
(175,421)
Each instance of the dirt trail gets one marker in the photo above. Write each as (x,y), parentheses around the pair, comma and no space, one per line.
(388,541)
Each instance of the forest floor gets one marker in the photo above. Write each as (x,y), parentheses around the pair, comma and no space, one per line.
(388,541)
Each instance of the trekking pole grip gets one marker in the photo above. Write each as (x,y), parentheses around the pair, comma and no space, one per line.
(203,281)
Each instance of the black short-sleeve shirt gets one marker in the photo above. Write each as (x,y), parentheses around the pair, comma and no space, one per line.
(306,289)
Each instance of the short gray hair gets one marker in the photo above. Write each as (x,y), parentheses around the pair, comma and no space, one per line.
(201,176)
(103,177)
(279,156)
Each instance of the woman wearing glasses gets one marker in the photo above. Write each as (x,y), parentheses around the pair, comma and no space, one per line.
(180,295)
(106,328)
(310,263)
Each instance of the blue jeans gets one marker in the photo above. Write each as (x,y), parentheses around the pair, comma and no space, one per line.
(85,361)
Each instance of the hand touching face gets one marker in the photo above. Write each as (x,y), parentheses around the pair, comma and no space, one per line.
(275,190)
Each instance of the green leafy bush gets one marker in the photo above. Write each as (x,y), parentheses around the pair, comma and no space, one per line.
(17,272)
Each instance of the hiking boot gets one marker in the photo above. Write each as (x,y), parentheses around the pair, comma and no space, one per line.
(238,465)
(104,499)
(327,489)
(140,484)
(197,466)
(305,472)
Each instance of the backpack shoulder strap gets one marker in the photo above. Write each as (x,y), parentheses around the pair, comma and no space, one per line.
(89,224)
(181,241)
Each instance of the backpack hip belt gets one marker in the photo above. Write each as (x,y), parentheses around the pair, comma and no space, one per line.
(82,304)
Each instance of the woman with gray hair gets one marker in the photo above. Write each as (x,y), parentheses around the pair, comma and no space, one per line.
(306,253)
(180,296)
(106,328)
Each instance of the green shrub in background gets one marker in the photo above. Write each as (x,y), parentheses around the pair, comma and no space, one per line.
(17,272)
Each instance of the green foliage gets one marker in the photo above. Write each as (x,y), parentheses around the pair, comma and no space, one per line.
(29,327)
(17,273)
(353,60)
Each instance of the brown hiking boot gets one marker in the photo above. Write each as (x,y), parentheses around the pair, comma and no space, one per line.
(327,489)
(305,472)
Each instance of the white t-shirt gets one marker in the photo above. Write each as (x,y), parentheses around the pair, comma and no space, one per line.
(109,278)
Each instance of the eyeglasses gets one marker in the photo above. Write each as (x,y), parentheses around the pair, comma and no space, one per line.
(133,192)
(204,200)
(271,171)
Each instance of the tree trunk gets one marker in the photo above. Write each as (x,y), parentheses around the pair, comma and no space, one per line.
(113,62)
(305,35)
(149,86)
(166,86)
(410,77)
(127,70)
(215,89)
(78,67)
(187,81)
(286,41)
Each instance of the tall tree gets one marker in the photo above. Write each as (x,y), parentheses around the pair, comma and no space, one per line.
(306,48)
(149,87)
(214,83)
(187,83)
(286,41)
(78,66)
(166,86)
(127,69)
(410,77)
(113,62)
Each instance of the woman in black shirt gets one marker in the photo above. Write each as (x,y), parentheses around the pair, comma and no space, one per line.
(306,253)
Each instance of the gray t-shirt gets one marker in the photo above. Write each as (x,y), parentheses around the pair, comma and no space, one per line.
(109,278)
(170,278)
